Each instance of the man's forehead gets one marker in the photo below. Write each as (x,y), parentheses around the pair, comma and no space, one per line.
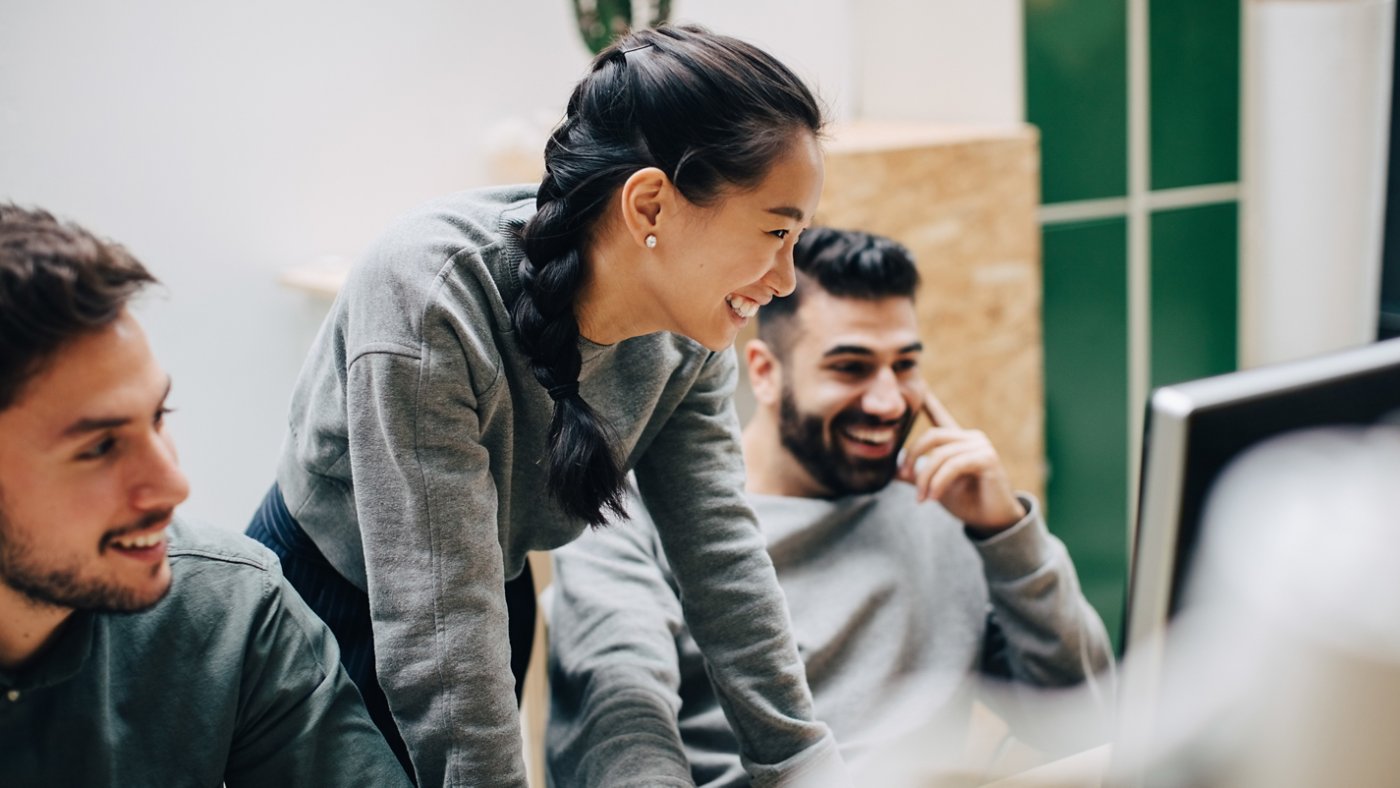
(880,325)
(109,375)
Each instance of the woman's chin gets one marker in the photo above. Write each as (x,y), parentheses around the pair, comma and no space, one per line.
(713,338)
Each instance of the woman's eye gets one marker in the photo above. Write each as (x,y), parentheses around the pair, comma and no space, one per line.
(160,415)
(780,234)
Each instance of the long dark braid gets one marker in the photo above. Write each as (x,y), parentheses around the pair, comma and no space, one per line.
(706,109)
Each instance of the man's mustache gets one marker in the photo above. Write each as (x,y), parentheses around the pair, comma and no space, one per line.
(859,418)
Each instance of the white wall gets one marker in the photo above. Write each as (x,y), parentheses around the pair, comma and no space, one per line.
(226,143)
(1317,77)
(958,61)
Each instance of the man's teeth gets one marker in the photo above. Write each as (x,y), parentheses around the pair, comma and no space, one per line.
(742,306)
(867,435)
(139,542)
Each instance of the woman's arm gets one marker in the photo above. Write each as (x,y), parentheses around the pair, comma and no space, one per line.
(426,503)
(614,670)
(692,480)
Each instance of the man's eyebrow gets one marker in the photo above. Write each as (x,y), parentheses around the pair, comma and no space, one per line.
(790,212)
(848,350)
(861,350)
(86,425)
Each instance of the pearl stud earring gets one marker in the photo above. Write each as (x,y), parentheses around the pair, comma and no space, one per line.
(651,242)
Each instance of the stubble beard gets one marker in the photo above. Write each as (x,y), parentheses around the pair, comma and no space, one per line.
(63,586)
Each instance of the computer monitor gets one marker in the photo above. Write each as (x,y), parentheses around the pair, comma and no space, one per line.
(1194,429)
(1192,433)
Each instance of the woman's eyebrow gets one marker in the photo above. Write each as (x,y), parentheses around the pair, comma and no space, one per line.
(790,212)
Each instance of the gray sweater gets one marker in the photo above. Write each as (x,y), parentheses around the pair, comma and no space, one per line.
(415,462)
(890,603)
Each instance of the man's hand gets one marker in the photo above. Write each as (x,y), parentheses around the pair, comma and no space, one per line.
(960,469)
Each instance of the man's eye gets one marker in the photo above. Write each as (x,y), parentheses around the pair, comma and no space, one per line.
(850,369)
(905,365)
(99,451)
(780,234)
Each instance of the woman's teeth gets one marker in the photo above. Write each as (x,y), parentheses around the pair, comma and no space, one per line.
(743,307)
(140,542)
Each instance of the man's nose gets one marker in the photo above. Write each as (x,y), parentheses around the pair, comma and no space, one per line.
(884,398)
(160,484)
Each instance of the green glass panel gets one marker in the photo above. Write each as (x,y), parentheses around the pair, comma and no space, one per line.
(1195,292)
(1195,84)
(1077,93)
(1086,403)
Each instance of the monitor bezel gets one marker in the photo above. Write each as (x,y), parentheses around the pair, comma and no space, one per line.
(1155,562)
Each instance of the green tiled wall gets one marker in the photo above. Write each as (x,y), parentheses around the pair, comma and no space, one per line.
(1077,93)
(1195,84)
(1195,292)
(1086,394)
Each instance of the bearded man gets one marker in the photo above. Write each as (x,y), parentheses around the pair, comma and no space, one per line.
(910,571)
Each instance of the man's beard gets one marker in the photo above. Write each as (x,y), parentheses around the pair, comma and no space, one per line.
(805,437)
(64,586)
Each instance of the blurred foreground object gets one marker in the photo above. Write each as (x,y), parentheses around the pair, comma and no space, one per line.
(1284,667)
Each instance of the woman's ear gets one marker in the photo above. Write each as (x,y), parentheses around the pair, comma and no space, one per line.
(765,372)
(647,203)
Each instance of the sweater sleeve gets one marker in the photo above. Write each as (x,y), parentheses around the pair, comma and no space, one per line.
(691,479)
(300,720)
(1043,632)
(1053,636)
(614,672)
(427,509)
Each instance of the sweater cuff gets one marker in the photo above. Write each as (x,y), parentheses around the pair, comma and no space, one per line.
(1019,550)
(818,766)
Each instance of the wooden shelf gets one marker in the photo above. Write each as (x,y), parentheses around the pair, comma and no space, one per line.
(323,279)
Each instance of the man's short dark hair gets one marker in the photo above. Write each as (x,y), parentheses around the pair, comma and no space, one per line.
(58,282)
(846,264)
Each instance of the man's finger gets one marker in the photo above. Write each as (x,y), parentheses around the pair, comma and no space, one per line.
(938,414)
(929,464)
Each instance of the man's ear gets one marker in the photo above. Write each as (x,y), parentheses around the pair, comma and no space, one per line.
(765,372)
(647,202)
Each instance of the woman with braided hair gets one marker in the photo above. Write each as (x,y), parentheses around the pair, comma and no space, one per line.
(502,358)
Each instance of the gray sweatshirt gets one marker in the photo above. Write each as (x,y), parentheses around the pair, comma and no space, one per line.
(891,603)
(415,463)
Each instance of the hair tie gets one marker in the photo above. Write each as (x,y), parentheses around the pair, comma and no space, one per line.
(563,391)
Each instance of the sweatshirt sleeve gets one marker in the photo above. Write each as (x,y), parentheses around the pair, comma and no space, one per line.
(300,720)
(427,509)
(614,670)
(691,479)
(1043,632)
(1053,636)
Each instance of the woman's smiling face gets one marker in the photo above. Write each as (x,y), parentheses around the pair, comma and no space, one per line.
(718,264)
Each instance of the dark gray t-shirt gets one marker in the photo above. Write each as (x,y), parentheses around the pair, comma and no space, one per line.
(228,679)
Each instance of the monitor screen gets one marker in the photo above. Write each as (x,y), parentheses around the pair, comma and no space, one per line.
(1193,430)
(1192,433)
